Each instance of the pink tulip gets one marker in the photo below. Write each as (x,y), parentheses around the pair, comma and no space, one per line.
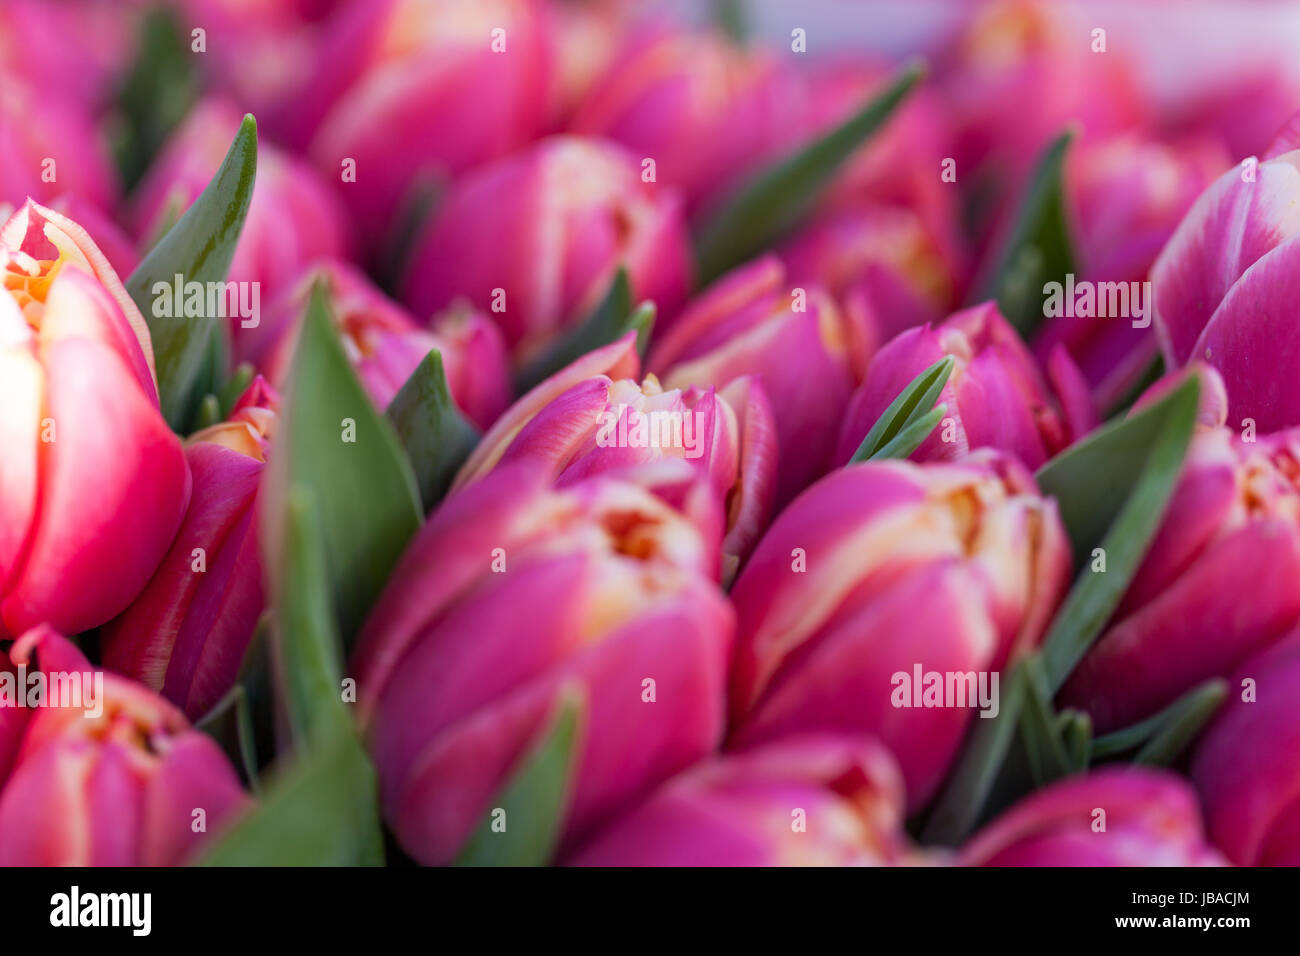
(72,51)
(1116,816)
(1216,586)
(535,240)
(418,92)
(185,635)
(511,593)
(811,801)
(127,786)
(1018,74)
(996,396)
(1247,766)
(883,568)
(385,344)
(93,484)
(1126,195)
(593,417)
(900,167)
(754,321)
(880,264)
(705,111)
(1225,290)
(51,148)
(293,218)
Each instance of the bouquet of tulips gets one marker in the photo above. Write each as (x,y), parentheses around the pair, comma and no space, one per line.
(586,432)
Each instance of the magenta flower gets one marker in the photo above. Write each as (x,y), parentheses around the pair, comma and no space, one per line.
(881,570)
(534,241)
(593,417)
(1225,286)
(86,448)
(1116,816)
(385,344)
(459,668)
(117,780)
(185,635)
(1247,766)
(1230,530)
(996,397)
(754,322)
(819,800)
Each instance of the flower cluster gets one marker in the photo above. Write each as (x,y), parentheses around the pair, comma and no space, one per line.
(590,436)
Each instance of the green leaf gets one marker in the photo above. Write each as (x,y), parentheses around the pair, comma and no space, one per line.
(1133,466)
(611,319)
(1040,730)
(436,436)
(333,442)
(306,649)
(1075,730)
(199,248)
(323,809)
(774,200)
(1162,736)
(1038,248)
(157,92)
(314,813)
(235,387)
(966,791)
(535,800)
(904,422)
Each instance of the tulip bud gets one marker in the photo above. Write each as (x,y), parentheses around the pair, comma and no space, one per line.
(535,239)
(1225,290)
(111,776)
(996,396)
(1247,766)
(1116,816)
(50,147)
(1216,585)
(582,421)
(384,343)
(293,218)
(418,93)
(185,635)
(706,111)
(802,801)
(880,576)
(86,449)
(801,349)
(458,671)
(880,264)
(1125,195)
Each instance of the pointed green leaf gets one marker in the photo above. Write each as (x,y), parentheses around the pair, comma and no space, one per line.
(607,322)
(1038,249)
(333,442)
(157,92)
(966,791)
(1133,466)
(199,248)
(306,650)
(1075,730)
(1040,730)
(1093,478)
(317,812)
(235,386)
(914,406)
(773,201)
(436,436)
(1161,737)
(534,801)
